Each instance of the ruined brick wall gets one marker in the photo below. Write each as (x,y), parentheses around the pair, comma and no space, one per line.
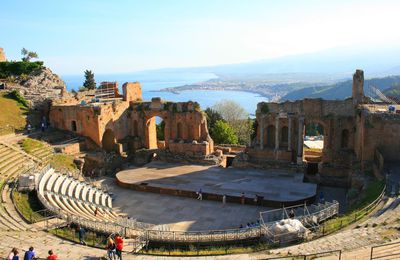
(336,116)
(378,131)
(2,55)
(132,91)
(185,125)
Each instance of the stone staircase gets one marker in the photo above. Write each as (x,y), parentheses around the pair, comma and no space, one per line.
(13,162)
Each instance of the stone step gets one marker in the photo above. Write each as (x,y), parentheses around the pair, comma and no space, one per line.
(12,212)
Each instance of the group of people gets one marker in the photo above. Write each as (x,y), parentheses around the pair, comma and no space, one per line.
(43,125)
(29,255)
(250,224)
(114,247)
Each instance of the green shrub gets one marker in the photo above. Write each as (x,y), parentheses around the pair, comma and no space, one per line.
(264,108)
(18,68)
(18,97)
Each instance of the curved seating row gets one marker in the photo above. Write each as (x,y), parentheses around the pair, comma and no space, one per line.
(74,197)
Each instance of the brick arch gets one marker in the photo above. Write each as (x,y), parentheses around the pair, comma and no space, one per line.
(108,140)
(151,131)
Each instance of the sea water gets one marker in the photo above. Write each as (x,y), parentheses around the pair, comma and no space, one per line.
(151,82)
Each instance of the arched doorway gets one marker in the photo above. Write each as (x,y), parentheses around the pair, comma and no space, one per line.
(313,145)
(344,140)
(270,138)
(284,137)
(108,141)
(155,133)
(73,125)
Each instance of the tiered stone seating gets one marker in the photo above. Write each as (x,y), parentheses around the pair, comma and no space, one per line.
(70,196)
(43,153)
(12,164)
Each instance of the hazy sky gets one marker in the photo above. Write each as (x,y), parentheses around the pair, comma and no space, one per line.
(120,36)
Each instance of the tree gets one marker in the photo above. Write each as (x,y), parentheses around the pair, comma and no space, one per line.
(28,55)
(224,133)
(89,80)
(237,117)
(212,117)
(160,128)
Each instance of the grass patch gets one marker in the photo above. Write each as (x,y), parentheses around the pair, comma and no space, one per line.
(63,162)
(91,238)
(29,145)
(192,250)
(27,204)
(12,116)
(357,211)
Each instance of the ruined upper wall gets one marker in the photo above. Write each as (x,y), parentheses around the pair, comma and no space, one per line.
(2,55)
(309,107)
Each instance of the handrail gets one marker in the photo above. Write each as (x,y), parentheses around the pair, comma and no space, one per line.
(133,228)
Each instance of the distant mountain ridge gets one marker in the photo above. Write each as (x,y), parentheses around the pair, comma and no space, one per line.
(341,90)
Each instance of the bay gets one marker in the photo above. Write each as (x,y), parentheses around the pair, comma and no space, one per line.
(153,81)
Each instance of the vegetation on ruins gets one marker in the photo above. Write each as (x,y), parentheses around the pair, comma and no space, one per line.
(212,117)
(28,205)
(369,198)
(89,83)
(160,130)
(18,97)
(224,133)
(12,69)
(28,55)
(237,117)
(264,108)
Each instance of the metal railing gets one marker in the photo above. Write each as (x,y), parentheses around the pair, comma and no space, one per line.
(386,251)
(334,254)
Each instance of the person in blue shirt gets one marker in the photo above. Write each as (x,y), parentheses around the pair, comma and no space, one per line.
(30,254)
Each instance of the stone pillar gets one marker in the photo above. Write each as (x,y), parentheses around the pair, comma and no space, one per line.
(277,133)
(261,132)
(289,148)
(300,141)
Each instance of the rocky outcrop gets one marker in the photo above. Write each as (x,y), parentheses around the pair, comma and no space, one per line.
(41,87)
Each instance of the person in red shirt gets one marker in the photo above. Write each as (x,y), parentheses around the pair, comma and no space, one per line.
(119,243)
(52,256)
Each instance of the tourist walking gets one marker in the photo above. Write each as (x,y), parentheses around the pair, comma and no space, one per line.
(119,245)
(16,256)
(242,198)
(29,128)
(96,211)
(224,199)
(81,233)
(30,254)
(200,195)
(111,248)
(11,254)
(52,256)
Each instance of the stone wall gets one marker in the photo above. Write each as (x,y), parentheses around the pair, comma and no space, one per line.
(133,123)
(2,55)
(378,131)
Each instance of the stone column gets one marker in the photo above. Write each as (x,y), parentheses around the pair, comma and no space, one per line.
(261,132)
(300,141)
(289,148)
(277,132)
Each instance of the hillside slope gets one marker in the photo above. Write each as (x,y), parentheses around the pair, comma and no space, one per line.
(341,90)
(12,115)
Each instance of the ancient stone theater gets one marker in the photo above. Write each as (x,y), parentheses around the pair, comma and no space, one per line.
(355,129)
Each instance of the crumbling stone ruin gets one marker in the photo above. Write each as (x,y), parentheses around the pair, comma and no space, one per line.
(354,130)
(125,123)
